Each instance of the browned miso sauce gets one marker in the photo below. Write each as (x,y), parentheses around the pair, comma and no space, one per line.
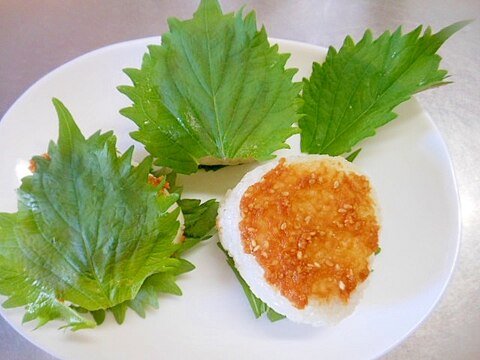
(312,228)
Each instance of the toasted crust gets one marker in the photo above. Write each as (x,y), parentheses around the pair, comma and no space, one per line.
(243,233)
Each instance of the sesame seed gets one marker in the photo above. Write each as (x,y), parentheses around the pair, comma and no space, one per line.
(299,255)
(256,248)
(342,210)
(264,254)
(254,243)
(328,262)
(341,285)
(337,267)
(316,264)
(347,206)
(285,193)
(283,226)
(336,184)
(308,218)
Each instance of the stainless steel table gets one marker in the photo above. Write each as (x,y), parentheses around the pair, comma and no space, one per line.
(38,36)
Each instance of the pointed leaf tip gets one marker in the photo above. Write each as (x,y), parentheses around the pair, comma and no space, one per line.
(209,6)
(448,31)
(68,129)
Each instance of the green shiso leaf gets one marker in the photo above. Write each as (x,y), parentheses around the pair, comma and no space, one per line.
(355,90)
(353,155)
(40,301)
(258,306)
(200,220)
(199,225)
(89,230)
(98,316)
(213,93)
(274,316)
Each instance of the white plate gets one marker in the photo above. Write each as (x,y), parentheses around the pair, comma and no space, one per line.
(408,164)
